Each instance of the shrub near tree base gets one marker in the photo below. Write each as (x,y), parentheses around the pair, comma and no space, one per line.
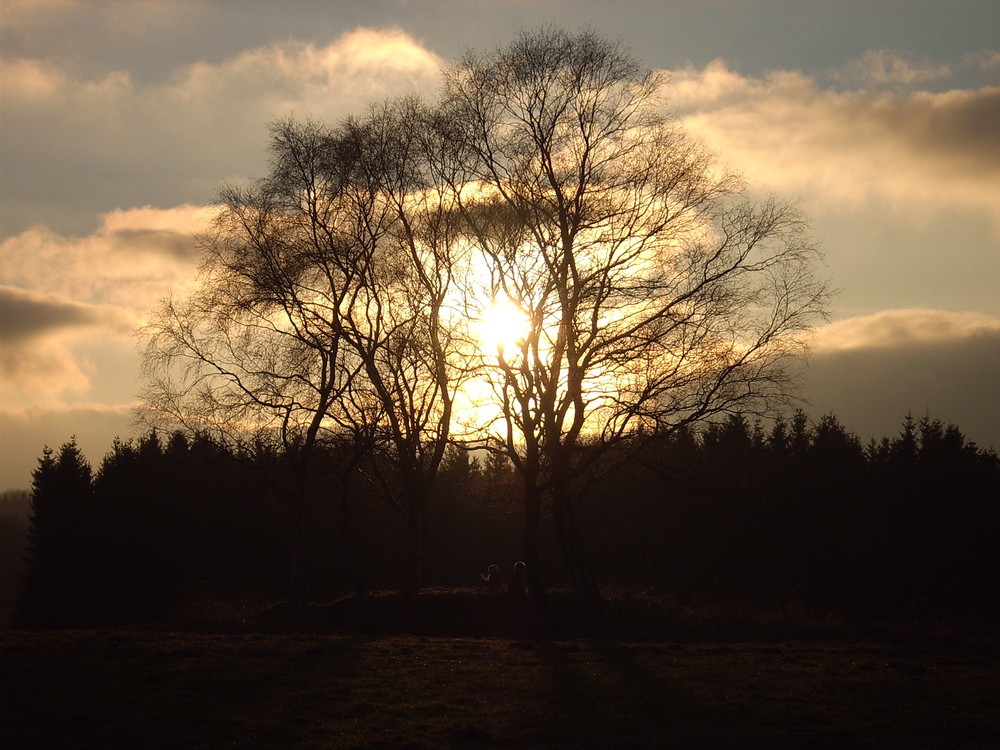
(431,612)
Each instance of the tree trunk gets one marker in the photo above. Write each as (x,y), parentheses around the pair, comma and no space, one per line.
(296,584)
(534,574)
(416,542)
(353,547)
(577,563)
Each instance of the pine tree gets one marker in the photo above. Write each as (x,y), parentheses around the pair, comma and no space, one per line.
(58,579)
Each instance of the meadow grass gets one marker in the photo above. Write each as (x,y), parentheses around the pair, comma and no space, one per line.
(145,688)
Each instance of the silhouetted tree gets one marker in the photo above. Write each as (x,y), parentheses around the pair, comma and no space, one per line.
(319,313)
(15,507)
(654,292)
(710,515)
(59,578)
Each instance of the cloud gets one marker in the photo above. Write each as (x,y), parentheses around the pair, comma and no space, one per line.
(913,150)
(987,60)
(83,141)
(325,81)
(874,370)
(363,65)
(37,337)
(364,57)
(43,87)
(29,81)
(72,334)
(164,235)
(896,329)
(36,371)
(887,68)
(25,315)
(134,257)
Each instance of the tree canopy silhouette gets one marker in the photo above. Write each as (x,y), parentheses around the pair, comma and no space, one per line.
(656,292)
(344,299)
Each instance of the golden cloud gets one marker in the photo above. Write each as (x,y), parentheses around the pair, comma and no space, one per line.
(88,296)
(893,329)
(132,258)
(39,373)
(787,133)
(366,63)
(40,83)
(39,335)
(28,81)
(359,67)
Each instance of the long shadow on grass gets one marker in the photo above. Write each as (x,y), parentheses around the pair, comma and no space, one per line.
(611,700)
(697,701)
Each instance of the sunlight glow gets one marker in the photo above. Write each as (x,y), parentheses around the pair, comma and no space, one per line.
(503,326)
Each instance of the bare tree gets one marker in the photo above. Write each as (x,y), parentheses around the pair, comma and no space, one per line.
(340,295)
(255,355)
(404,328)
(655,292)
(317,313)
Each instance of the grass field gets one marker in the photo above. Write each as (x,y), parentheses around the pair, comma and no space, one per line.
(136,688)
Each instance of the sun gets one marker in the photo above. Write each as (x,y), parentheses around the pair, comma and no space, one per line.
(503,326)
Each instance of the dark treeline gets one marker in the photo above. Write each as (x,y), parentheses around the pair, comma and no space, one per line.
(807,514)
(799,513)
(15,507)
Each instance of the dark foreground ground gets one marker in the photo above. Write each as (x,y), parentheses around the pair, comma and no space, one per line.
(156,689)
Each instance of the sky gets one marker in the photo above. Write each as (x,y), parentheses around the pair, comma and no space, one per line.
(120,121)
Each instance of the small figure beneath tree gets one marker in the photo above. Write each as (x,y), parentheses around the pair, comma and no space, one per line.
(520,606)
(491,577)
